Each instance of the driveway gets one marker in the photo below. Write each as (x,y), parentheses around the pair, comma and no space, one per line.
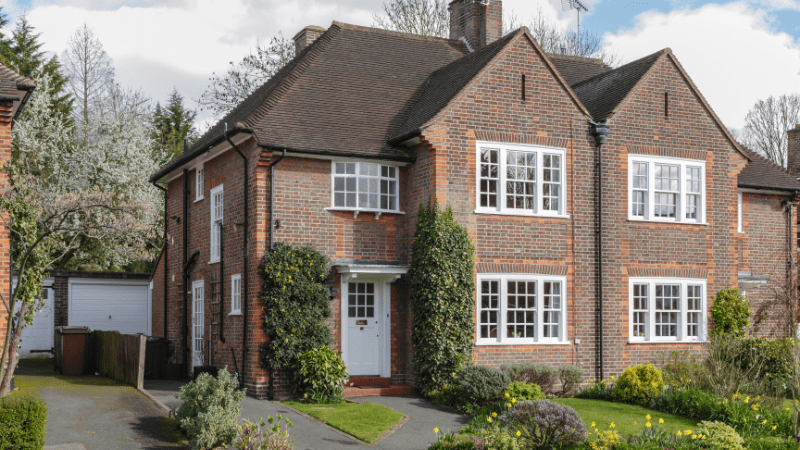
(89,412)
(309,434)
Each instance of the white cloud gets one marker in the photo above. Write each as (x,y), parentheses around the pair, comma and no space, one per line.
(729,51)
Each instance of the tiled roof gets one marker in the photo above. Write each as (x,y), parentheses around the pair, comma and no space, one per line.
(761,173)
(444,84)
(575,69)
(15,88)
(602,94)
(340,95)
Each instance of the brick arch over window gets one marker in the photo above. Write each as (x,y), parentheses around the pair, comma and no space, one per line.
(541,269)
(668,152)
(666,272)
(517,138)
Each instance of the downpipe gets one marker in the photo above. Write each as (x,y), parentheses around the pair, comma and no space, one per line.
(600,132)
(166,253)
(271,389)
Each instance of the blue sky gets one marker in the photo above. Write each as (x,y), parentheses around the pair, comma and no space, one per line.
(737,52)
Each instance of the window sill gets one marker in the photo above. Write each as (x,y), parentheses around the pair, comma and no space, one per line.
(357,211)
(235,313)
(696,341)
(666,222)
(494,344)
(521,214)
(213,261)
(199,199)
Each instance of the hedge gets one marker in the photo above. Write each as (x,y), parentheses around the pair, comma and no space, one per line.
(24,419)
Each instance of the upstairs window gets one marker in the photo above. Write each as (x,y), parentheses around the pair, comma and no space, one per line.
(520,180)
(365,186)
(666,189)
(216,222)
(199,186)
(667,309)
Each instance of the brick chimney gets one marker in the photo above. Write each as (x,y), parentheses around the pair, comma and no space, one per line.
(306,37)
(793,153)
(480,22)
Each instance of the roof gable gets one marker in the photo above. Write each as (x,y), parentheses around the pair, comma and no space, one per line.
(761,173)
(575,69)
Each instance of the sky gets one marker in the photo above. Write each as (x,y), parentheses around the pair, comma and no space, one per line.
(736,52)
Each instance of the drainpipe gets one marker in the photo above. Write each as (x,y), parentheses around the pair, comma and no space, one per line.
(221,283)
(166,258)
(185,265)
(271,391)
(600,131)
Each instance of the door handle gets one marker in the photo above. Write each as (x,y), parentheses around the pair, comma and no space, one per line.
(362,328)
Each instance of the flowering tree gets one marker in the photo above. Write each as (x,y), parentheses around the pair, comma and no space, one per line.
(61,195)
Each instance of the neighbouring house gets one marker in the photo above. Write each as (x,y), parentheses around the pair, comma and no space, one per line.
(14,93)
(341,147)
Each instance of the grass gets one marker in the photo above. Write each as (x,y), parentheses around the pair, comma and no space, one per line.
(366,421)
(628,419)
(34,374)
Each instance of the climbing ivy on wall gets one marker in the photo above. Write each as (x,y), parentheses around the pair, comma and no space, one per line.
(297,302)
(442,297)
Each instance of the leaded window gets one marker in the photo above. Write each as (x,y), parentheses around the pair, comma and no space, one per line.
(365,186)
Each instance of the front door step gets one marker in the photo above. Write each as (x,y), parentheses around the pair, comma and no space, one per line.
(371,390)
(369,381)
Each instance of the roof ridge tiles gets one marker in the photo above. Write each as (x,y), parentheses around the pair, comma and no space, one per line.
(624,66)
(350,26)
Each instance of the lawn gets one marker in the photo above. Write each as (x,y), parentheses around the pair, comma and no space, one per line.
(366,421)
(628,419)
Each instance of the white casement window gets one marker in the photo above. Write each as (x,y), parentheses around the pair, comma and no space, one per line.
(520,179)
(236,294)
(365,186)
(216,221)
(667,309)
(740,224)
(199,186)
(521,309)
(666,189)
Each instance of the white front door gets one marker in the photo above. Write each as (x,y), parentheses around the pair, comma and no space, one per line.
(39,334)
(198,323)
(363,328)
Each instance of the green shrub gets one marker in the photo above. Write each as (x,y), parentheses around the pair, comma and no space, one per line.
(528,372)
(450,441)
(730,314)
(525,391)
(773,357)
(259,436)
(481,384)
(638,384)
(442,298)
(720,436)
(209,408)
(769,443)
(496,438)
(23,420)
(570,377)
(319,376)
(543,423)
(296,303)
(682,368)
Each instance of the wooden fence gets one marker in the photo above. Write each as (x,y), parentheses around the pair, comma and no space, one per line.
(120,356)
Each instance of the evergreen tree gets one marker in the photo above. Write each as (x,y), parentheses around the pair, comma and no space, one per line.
(23,55)
(3,39)
(172,124)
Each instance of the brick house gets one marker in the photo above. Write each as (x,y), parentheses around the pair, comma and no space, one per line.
(14,93)
(341,147)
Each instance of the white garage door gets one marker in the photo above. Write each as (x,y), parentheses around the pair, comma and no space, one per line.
(38,336)
(110,305)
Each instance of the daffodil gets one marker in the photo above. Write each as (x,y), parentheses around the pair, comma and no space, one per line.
(593,425)
(694,436)
(494,414)
(774,427)
(648,425)
(612,425)
(519,433)
(436,430)
(764,422)
(513,400)
(679,433)
(508,405)
(647,417)
(507,395)
(660,420)
(687,432)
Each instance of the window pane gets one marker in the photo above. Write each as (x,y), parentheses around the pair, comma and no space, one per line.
(639,194)
(521,175)
(694,301)
(639,309)
(666,310)
(521,309)
(489,177)
(551,304)
(489,309)
(551,173)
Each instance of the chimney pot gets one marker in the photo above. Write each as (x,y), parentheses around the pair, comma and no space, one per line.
(306,37)
(480,22)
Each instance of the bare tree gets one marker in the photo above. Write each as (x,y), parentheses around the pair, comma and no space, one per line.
(424,17)
(562,41)
(244,78)
(766,125)
(90,72)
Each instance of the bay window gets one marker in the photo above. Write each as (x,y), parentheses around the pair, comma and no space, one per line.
(667,309)
(521,309)
(365,186)
(520,179)
(666,189)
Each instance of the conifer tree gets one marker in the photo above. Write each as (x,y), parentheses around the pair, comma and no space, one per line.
(172,124)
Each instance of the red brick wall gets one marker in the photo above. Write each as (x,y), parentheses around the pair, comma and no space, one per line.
(158,298)
(5,244)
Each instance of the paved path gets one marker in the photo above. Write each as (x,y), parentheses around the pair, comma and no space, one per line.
(88,412)
(415,434)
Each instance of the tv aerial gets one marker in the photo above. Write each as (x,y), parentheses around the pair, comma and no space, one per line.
(567,5)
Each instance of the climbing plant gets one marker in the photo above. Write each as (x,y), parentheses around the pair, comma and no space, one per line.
(730,313)
(297,302)
(442,299)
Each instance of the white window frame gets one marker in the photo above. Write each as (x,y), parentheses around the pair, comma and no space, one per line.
(682,193)
(740,223)
(682,336)
(503,280)
(358,164)
(236,295)
(214,250)
(501,207)
(199,183)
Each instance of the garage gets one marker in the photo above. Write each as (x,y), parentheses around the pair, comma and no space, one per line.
(110,305)
(37,338)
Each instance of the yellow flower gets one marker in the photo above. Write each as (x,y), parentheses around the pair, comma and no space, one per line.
(612,377)
(758,397)
(774,427)
(635,423)
(687,432)
(694,436)
(754,407)
(679,433)
(436,430)
(508,405)
(507,395)
(660,420)
(612,425)
(489,419)
(513,400)
(647,425)
(305,395)
(747,400)
(764,422)
(647,417)
(703,436)
(519,433)
(494,414)
(593,425)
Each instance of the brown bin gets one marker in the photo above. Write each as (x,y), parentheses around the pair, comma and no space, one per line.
(71,349)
